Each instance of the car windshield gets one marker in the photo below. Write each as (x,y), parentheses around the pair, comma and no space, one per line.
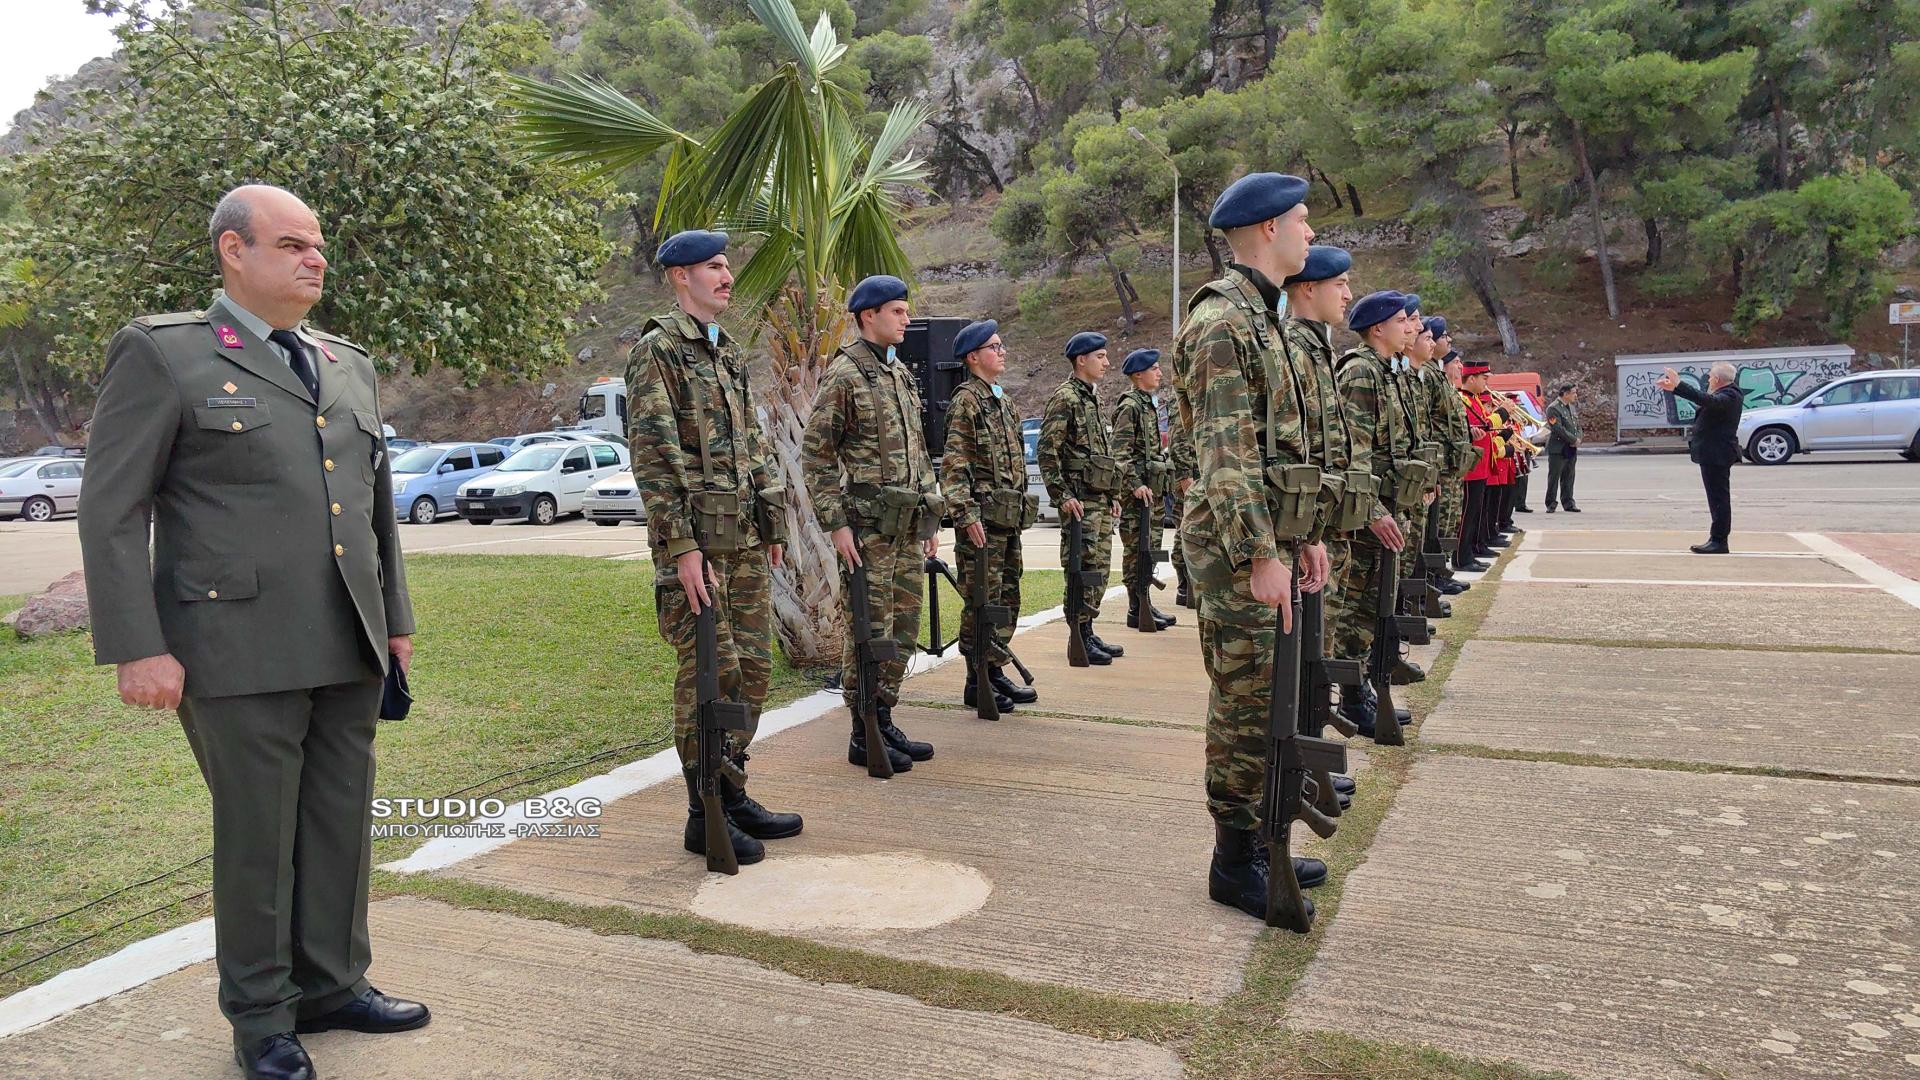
(417,460)
(15,468)
(533,458)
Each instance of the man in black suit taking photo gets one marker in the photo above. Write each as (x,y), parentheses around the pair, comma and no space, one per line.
(1713,444)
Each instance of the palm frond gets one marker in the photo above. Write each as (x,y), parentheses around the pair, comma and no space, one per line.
(825,46)
(764,274)
(581,120)
(905,119)
(783,22)
(863,240)
(744,162)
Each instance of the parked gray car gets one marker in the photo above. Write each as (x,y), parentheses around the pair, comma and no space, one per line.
(426,477)
(1875,410)
(37,488)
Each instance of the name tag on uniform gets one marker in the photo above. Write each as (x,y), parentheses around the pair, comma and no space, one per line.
(232,402)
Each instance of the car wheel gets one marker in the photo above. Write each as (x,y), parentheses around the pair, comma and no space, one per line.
(424,511)
(544,511)
(38,508)
(1772,446)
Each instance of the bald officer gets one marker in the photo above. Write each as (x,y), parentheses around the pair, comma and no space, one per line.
(266,615)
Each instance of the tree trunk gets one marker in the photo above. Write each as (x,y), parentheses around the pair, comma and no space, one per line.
(1779,108)
(1213,252)
(802,336)
(1599,222)
(644,240)
(1123,289)
(47,423)
(1269,36)
(1332,191)
(1353,200)
(1476,265)
(1513,157)
(1656,243)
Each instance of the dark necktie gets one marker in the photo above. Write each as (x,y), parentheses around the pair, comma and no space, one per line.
(298,360)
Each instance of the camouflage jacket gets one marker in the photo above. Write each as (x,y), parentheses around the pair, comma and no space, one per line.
(984,450)
(1238,393)
(1180,449)
(1136,440)
(1375,416)
(1450,422)
(865,429)
(1072,432)
(1311,344)
(674,374)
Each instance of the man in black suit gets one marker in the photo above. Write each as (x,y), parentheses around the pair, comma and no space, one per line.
(1713,444)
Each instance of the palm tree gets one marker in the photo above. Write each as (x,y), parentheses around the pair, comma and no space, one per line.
(791,169)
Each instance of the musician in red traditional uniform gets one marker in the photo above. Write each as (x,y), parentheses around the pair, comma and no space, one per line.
(1473,517)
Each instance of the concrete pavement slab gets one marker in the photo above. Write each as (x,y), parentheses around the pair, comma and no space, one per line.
(1093,837)
(1684,566)
(1629,924)
(1748,616)
(1559,539)
(516,998)
(1898,552)
(1842,713)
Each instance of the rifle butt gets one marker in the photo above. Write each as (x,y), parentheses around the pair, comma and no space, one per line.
(720,856)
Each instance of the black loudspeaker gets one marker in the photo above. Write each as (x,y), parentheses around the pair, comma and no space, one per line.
(928,352)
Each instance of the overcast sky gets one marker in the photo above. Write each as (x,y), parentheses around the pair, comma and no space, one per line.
(42,40)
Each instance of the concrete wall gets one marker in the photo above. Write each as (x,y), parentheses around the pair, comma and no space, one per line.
(1767,376)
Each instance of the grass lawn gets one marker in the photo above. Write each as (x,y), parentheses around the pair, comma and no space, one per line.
(528,666)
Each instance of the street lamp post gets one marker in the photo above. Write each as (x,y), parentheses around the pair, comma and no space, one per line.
(1174,315)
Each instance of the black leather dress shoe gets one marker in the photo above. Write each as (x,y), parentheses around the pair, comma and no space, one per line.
(373,1013)
(1711,547)
(276,1057)
(1572,509)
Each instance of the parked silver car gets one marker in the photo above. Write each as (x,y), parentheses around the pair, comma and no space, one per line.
(614,500)
(1030,434)
(1874,410)
(37,488)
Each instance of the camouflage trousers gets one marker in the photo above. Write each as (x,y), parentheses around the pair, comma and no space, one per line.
(1236,647)
(743,634)
(1130,535)
(1414,521)
(1453,498)
(1097,528)
(1003,585)
(896,581)
(1353,607)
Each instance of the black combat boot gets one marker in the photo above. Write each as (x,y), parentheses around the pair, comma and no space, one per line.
(1096,655)
(1094,642)
(1013,691)
(746,850)
(857,750)
(1183,595)
(1162,617)
(1343,784)
(971,695)
(1238,876)
(1373,705)
(1357,709)
(1406,671)
(753,819)
(897,739)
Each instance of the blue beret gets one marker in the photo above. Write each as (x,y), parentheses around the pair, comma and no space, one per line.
(1256,197)
(690,247)
(1375,308)
(1413,302)
(1084,342)
(1324,261)
(973,335)
(1436,325)
(1140,360)
(875,291)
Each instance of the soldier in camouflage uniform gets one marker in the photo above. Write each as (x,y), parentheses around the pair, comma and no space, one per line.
(1457,446)
(1144,463)
(1416,398)
(695,445)
(1255,510)
(1180,456)
(866,463)
(1383,437)
(983,473)
(1082,474)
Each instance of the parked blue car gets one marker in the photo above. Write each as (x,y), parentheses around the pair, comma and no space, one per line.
(425,477)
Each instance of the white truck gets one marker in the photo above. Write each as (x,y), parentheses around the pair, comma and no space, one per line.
(603,408)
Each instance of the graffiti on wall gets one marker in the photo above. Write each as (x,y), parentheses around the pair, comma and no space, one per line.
(1643,404)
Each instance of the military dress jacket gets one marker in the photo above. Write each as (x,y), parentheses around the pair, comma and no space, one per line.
(275,558)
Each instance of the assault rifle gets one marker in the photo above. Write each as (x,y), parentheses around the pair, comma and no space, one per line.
(716,716)
(869,653)
(1291,759)
(1078,581)
(1142,582)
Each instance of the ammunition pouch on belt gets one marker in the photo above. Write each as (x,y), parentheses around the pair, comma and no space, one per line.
(1005,508)
(1356,501)
(892,512)
(1100,475)
(1333,485)
(770,514)
(932,509)
(1160,478)
(717,516)
(1293,497)
(1412,478)
(1433,454)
